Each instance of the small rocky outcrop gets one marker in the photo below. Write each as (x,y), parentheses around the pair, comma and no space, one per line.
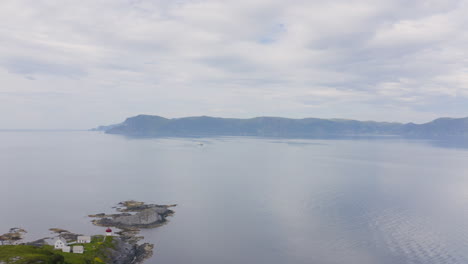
(13,236)
(144,215)
(133,216)
(58,230)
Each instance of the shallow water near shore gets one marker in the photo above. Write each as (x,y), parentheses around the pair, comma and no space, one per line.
(246,200)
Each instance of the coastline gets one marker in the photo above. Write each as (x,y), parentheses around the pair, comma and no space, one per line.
(121,247)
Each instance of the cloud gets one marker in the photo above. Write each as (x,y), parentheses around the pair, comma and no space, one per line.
(29,67)
(113,58)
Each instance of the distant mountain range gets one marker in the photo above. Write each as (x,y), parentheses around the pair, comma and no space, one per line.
(156,126)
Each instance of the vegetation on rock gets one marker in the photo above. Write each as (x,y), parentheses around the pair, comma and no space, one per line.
(95,252)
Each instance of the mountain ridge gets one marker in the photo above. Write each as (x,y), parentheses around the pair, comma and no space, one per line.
(267,126)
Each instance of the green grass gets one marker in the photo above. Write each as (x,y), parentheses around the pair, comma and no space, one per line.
(95,252)
(21,254)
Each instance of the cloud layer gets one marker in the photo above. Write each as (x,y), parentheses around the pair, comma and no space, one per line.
(69,64)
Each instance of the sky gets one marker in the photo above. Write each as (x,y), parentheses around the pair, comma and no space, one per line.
(79,64)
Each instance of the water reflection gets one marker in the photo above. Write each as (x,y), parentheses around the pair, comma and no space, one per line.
(451,143)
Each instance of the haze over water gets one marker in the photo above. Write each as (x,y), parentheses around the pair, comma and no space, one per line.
(246,200)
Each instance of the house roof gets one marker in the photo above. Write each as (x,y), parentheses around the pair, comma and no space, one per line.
(83,238)
(61,239)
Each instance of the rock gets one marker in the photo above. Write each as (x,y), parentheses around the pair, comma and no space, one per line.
(123,253)
(145,216)
(131,203)
(129,253)
(98,215)
(127,249)
(144,252)
(14,235)
(134,206)
(38,243)
(102,215)
(59,230)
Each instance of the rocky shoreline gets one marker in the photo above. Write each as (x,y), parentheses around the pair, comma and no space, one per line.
(126,247)
(132,216)
(135,214)
(127,252)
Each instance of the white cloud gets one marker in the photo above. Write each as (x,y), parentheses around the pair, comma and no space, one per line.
(101,61)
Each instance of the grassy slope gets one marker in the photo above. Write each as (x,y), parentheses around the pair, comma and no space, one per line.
(28,254)
(95,252)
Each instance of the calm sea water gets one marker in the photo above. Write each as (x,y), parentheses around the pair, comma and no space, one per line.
(244,200)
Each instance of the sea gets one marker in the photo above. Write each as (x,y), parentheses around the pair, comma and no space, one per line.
(248,200)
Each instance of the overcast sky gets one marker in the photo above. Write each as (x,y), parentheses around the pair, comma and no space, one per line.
(79,64)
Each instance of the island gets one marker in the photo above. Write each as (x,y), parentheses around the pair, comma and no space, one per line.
(65,247)
(144,215)
(206,126)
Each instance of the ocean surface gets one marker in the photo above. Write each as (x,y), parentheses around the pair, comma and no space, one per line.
(247,200)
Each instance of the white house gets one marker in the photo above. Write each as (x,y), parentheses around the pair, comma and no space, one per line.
(78,249)
(83,239)
(60,243)
(66,249)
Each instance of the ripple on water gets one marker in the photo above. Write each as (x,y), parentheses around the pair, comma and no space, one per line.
(414,239)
